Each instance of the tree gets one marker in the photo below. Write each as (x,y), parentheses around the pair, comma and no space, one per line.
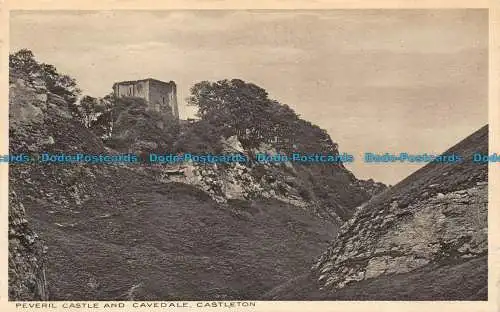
(236,107)
(103,112)
(88,109)
(23,64)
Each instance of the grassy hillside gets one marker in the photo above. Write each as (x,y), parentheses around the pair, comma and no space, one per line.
(113,232)
(175,243)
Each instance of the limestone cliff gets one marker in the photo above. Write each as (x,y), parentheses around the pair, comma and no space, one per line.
(27,259)
(37,117)
(27,280)
(436,216)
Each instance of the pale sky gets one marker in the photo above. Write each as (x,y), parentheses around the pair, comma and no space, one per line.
(377,80)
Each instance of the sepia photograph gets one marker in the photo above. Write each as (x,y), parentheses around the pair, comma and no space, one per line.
(216,158)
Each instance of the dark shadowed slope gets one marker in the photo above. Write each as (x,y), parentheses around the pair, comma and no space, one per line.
(173,242)
(447,282)
(424,239)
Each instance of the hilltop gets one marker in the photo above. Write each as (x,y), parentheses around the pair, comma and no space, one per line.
(131,232)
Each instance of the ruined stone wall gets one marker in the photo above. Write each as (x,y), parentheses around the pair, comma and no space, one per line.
(134,89)
(163,97)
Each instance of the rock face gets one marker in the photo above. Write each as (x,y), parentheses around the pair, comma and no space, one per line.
(37,118)
(436,216)
(240,181)
(283,181)
(27,279)
(27,253)
(450,227)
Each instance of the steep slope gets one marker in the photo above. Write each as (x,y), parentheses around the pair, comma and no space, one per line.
(423,239)
(116,232)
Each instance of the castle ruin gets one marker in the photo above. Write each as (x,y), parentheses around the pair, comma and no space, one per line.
(161,96)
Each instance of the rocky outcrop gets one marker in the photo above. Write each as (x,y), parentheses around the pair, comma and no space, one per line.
(40,121)
(27,280)
(437,216)
(237,181)
(445,227)
(282,181)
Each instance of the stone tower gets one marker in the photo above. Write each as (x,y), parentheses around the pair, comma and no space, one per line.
(161,96)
